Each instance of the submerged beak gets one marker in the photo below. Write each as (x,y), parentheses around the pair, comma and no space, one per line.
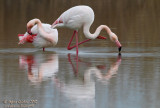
(119,49)
(119,46)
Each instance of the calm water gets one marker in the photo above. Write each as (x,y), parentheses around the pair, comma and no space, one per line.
(101,78)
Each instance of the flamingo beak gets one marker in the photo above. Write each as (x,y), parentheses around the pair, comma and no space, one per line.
(54,24)
(29,31)
(119,46)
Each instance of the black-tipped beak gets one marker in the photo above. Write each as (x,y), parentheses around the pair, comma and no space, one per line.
(119,49)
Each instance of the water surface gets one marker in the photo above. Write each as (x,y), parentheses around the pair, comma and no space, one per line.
(100,78)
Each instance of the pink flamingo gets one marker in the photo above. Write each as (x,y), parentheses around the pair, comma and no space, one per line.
(39,34)
(83,16)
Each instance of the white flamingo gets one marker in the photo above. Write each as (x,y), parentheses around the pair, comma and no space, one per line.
(82,16)
(39,34)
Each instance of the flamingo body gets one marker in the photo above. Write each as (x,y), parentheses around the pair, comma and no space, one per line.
(76,17)
(41,42)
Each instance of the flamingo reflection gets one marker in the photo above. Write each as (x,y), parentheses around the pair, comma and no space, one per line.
(96,70)
(80,91)
(39,67)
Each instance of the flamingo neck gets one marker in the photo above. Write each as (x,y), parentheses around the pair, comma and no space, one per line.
(40,28)
(42,32)
(97,32)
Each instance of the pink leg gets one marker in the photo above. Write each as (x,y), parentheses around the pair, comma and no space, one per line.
(75,32)
(43,49)
(77,51)
(77,43)
(68,47)
(71,47)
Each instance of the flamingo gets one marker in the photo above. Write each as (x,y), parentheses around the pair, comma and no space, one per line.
(39,34)
(83,16)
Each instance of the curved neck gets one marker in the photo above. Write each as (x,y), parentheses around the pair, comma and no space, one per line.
(97,32)
(31,23)
(43,33)
(40,28)
(37,21)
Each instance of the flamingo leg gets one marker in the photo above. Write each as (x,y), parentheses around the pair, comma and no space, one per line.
(77,43)
(68,47)
(71,47)
(43,49)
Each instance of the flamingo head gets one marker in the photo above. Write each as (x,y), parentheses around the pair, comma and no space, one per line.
(30,24)
(54,24)
(114,38)
(58,23)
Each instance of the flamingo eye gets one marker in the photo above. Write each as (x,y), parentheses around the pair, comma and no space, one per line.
(60,21)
